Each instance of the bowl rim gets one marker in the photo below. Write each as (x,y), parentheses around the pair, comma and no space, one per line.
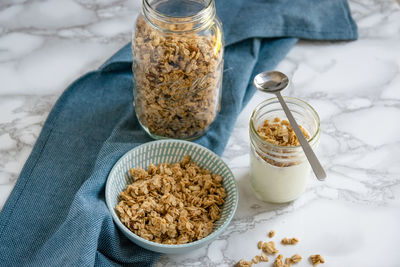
(169,246)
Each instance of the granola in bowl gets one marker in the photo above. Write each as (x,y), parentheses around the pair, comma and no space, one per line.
(172,203)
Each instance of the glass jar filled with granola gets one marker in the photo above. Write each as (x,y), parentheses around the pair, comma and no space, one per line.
(279,169)
(177,67)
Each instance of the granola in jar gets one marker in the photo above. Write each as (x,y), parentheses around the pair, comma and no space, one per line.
(177,68)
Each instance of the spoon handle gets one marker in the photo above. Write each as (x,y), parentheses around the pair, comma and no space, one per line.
(312,158)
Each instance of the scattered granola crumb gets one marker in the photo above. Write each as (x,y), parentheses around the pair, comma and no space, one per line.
(271,234)
(316,259)
(243,263)
(264,257)
(293,260)
(290,241)
(172,203)
(279,262)
(269,247)
(256,259)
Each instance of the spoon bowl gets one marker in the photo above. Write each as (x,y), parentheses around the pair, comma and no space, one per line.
(271,81)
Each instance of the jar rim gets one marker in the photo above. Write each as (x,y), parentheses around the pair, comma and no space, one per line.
(206,14)
(273,99)
(200,13)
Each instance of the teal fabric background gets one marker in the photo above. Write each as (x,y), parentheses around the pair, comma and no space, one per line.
(56,214)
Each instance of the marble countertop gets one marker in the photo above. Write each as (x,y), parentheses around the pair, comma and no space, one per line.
(352,218)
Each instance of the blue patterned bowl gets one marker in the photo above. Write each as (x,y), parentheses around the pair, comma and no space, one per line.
(172,151)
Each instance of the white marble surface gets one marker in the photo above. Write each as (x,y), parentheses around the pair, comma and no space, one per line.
(352,219)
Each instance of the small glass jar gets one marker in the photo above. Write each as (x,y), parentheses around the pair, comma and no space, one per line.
(177,66)
(279,174)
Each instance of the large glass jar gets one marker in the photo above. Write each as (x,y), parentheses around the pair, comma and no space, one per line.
(177,67)
(278,173)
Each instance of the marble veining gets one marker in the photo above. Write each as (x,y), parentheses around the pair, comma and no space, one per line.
(352,218)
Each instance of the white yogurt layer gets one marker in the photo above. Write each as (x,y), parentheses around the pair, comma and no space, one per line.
(277,184)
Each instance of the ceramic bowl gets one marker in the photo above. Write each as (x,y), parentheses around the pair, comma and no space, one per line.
(171,151)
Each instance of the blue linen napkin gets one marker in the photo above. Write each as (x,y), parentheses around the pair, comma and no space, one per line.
(56,214)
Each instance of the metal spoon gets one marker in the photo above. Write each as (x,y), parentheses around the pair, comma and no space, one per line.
(274,82)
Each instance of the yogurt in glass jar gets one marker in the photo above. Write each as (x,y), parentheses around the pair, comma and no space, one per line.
(279,172)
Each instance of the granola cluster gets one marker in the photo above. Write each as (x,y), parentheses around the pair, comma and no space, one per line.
(172,203)
(178,80)
(289,241)
(269,248)
(255,260)
(271,234)
(316,259)
(279,261)
(296,258)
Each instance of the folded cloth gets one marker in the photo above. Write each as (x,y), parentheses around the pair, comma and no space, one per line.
(56,214)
